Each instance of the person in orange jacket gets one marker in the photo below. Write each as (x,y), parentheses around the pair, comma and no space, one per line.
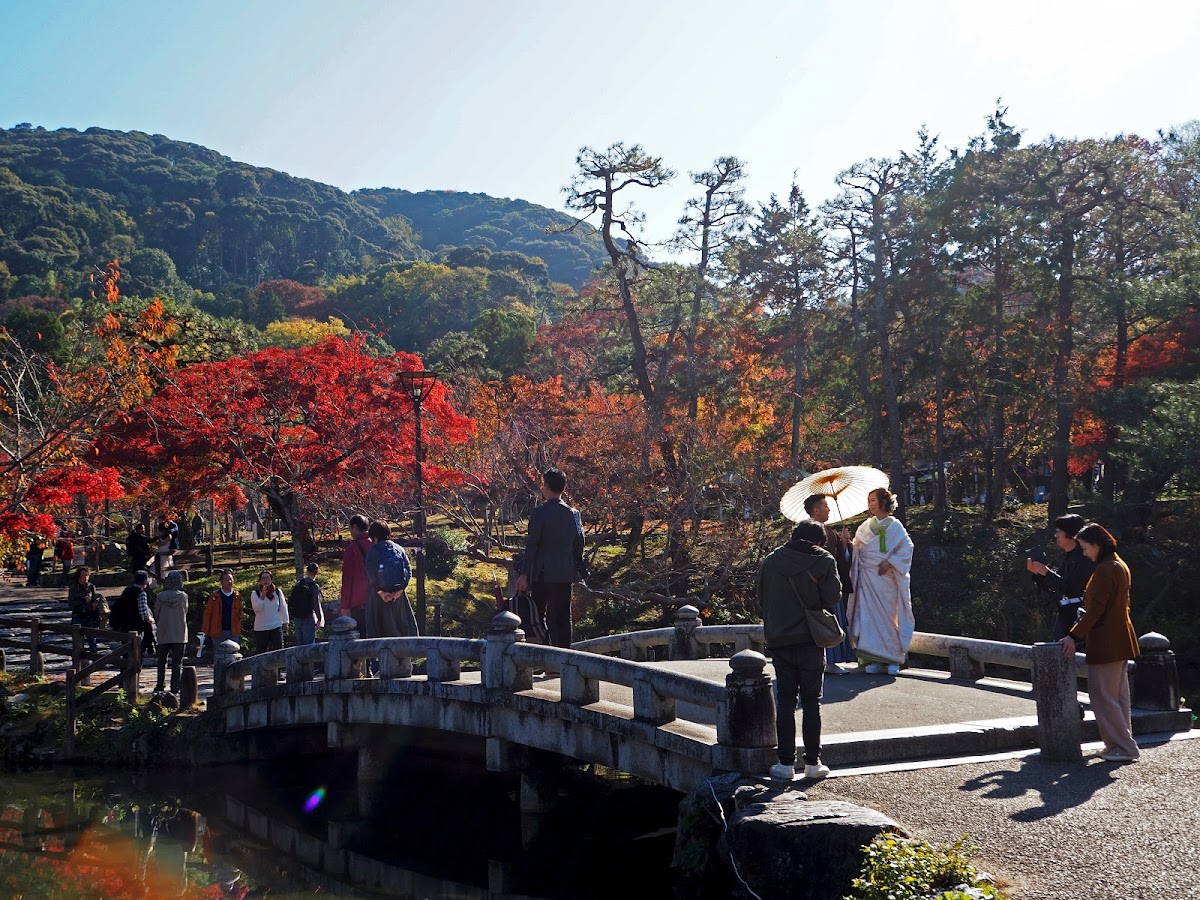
(223,613)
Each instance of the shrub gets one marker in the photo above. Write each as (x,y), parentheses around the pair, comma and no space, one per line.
(442,547)
(898,868)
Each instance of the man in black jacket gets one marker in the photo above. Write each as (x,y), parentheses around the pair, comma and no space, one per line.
(1068,583)
(798,574)
(131,611)
(553,557)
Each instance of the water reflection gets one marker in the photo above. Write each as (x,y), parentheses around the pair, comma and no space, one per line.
(301,829)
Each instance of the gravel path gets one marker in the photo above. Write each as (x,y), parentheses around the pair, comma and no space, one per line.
(1046,831)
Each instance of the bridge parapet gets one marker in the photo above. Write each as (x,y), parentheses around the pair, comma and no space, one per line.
(682,728)
(687,639)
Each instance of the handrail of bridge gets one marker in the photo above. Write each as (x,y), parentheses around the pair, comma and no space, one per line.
(742,708)
(349,658)
(689,639)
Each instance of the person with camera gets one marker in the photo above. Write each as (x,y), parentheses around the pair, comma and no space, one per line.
(1068,583)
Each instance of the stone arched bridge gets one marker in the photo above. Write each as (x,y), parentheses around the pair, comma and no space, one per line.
(678,730)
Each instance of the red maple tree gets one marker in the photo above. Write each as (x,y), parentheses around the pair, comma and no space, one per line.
(312,430)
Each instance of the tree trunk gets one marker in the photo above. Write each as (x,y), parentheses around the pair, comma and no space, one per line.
(869,397)
(887,363)
(999,376)
(1065,337)
(798,392)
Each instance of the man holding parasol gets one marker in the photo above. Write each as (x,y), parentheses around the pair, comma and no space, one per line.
(879,608)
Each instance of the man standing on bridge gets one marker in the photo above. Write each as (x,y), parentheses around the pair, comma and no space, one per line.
(800,573)
(1068,584)
(354,574)
(553,557)
(840,547)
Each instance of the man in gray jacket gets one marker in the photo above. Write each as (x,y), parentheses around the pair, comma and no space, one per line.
(170,612)
(798,574)
(553,557)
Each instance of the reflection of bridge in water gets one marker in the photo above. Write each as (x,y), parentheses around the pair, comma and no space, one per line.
(673,722)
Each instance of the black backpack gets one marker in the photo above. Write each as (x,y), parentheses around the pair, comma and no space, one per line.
(303,601)
(124,615)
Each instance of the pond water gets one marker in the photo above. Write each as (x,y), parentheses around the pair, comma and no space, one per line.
(302,829)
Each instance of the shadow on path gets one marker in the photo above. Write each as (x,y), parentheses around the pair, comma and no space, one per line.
(1060,785)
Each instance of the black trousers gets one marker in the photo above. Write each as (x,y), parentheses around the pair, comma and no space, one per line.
(799,670)
(1067,617)
(554,601)
(175,652)
(271,639)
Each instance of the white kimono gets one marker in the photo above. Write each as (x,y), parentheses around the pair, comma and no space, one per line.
(880,609)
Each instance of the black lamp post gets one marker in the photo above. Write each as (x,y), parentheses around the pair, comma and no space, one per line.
(419,385)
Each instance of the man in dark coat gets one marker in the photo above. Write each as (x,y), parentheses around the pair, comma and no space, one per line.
(798,574)
(841,548)
(131,611)
(1068,583)
(137,548)
(553,557)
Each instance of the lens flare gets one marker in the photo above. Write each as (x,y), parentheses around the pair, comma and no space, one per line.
(314,799)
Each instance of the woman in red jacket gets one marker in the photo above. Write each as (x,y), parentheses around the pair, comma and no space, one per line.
(1111,642)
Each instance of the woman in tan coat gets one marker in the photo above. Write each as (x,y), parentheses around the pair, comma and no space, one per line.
(1111,642)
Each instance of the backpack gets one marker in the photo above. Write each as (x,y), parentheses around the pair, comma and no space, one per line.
(393,570)
(124,615)
(304,599)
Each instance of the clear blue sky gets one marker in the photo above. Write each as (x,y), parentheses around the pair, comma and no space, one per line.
(499,96)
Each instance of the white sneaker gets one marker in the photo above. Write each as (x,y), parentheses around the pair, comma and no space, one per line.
(817,772)
(782,772)
(873,669)
(893,669)
(833,669)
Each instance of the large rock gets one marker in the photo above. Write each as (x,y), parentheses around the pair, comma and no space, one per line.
(741,835)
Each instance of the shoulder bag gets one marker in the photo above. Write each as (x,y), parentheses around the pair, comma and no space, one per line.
(823,625)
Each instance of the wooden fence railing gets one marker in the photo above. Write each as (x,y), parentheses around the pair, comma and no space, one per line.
(124,654)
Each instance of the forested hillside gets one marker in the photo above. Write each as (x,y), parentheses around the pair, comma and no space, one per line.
(183,218)
(452,219)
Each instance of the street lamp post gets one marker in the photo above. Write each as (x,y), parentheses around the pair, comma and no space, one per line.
(419,385)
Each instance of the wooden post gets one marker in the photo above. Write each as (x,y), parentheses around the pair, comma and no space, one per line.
(274,548)
(77,659)
(134,662)
(212,533)
(37,665)
(69,737)
(189,691)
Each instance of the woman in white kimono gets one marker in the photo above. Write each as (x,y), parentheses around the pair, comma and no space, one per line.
(880,609)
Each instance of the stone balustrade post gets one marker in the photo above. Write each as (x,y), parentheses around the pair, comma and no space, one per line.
(296,669)
(1155,676)
(1057,704)
(338,665)
(225,655)
(500,671)
(749,719)
(962,666)
(684,644)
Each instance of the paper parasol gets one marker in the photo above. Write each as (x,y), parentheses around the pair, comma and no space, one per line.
(847,486)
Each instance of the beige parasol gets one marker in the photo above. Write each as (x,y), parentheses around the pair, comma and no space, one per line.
(847,486)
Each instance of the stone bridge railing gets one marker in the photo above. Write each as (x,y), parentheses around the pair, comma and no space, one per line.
(739,716)
(682,728)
